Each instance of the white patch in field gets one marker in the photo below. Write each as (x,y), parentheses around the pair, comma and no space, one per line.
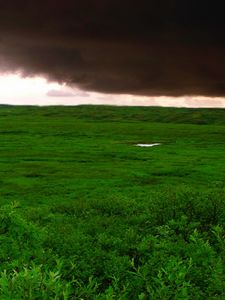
(148,145)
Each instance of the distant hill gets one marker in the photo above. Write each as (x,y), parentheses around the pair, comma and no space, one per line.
(114,113)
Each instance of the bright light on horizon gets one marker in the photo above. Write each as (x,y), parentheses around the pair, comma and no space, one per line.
(17,90)
(14,86)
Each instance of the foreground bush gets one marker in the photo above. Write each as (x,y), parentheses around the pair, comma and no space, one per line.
(169,247)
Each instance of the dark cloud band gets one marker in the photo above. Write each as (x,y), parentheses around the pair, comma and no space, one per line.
(159,47)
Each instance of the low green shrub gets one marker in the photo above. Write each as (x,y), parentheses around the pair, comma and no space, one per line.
(169,247)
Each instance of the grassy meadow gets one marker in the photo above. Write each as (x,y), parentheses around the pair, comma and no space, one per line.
(85,214)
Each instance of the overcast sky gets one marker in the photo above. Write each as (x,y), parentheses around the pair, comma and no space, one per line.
(38,91)
(119,52)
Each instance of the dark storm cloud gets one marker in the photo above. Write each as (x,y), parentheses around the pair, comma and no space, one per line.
(138,47)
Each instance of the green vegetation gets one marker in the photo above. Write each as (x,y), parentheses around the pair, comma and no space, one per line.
(87,215)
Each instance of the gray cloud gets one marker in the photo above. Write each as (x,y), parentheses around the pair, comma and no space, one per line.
(59,93)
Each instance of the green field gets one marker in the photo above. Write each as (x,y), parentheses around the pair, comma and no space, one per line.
(85,214)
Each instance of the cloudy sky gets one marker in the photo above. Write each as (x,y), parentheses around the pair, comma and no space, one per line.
(169,53)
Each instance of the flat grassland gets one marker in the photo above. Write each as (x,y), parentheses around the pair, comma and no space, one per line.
(85,214)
